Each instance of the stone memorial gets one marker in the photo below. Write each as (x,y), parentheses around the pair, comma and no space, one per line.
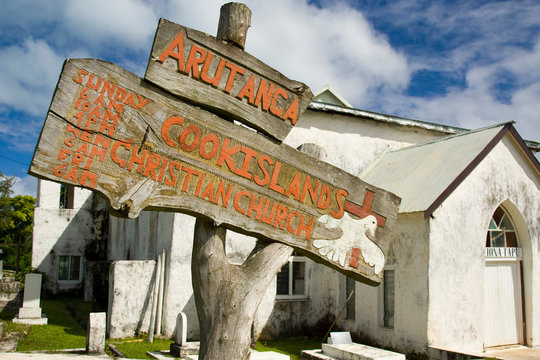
(180,347)
(30,312)
(350,351)
(95,336)
(340,337)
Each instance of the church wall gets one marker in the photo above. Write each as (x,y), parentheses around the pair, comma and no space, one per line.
(352,143)
(408,333)
(458,238)
(60,232)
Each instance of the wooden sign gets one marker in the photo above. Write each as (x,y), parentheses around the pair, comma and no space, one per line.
(142,148)
(225,79)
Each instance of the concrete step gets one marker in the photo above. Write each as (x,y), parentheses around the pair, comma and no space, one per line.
(11,301)
(359,352)
(315,355)
(8,296)
(10,286)
(255,355)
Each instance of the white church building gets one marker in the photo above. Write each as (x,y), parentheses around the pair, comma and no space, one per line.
(463,274)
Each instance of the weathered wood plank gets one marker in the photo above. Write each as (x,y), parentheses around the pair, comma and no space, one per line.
(225,79)
(142,148)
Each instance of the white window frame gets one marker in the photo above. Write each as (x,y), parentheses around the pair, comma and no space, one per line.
(69,269)
(502,253)
(290,295)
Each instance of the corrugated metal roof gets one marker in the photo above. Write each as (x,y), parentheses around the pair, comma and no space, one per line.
(419,174)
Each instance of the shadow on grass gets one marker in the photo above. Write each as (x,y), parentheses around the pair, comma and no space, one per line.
(291,347)
(62,331)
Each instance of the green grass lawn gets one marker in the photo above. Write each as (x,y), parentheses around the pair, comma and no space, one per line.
(291,347)
(137,348)
(62,331)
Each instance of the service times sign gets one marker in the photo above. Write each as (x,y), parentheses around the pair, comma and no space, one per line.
(143,148)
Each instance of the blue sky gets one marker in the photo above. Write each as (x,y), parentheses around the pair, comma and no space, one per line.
(463,63)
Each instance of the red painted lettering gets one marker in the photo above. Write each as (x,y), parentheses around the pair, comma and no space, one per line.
(225,196)
(195,58)
(235,69)
(80,74)
(294,187)
(171,181)
(195,138)
(214,81)
(281,214)
(264,94)
(262,160)
(250,154)
(248,91)
(173,120)
(175,50)
(139,160)
(114,155)
(273,181)
(304,227)
(292,112)
(212,140)
(274,108)
(341,197)
(237,200)
(226,154)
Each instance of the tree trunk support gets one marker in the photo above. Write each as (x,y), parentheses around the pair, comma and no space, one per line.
(227,296)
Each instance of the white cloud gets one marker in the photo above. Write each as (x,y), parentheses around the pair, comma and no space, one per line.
(28,74)
(111,23)
(335,45)
(25,186)
(477,106)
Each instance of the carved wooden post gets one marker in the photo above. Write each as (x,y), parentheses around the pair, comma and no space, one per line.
(234,22)
(227,296)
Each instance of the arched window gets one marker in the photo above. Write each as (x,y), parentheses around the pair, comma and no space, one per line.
(501,232)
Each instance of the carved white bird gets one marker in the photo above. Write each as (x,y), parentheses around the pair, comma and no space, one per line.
(354,236)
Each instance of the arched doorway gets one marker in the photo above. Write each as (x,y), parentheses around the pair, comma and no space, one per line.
(504,320)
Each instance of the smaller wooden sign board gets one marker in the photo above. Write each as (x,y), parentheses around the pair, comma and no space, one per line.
(142,148)
(225,79)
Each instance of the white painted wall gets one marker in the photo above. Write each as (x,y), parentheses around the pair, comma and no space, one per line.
(60,232)
(141,238)
(353,143)
(411,249)
(130,308)
(458,235)
(179,288)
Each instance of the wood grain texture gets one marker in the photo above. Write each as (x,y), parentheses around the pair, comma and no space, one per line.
(252,78)
(234,22)
(142,148)
(227,296)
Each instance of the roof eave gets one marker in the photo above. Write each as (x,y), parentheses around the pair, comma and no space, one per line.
(317,106)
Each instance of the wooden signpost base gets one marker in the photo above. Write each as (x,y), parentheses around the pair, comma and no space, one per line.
(227,296)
